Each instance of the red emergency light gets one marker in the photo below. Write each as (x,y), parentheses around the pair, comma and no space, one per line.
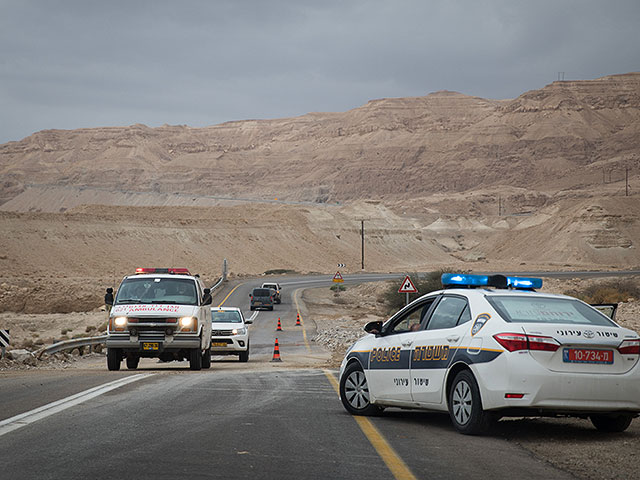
(174,271)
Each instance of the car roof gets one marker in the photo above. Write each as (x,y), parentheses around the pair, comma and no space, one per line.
(161,275)
(234,309)
(492,292)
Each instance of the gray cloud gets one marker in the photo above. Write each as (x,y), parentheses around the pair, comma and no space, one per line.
(72,64)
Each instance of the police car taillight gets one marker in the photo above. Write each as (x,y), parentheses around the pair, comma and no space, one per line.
(630,347)
(175,271)
(519,341)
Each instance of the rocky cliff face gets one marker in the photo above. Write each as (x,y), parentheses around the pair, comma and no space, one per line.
(567,135)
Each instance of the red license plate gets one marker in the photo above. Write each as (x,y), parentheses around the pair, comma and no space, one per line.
(587,355)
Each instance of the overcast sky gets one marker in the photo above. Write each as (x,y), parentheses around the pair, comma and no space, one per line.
(72,64)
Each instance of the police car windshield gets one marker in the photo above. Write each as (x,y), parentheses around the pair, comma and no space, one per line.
(532,309)
(226,317)
(179,291)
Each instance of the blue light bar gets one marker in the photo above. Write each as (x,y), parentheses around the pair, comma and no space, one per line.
(524,282)
(464,280)
(498,281)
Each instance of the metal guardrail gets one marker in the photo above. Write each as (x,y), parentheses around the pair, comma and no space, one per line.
(217,284)
(70,345)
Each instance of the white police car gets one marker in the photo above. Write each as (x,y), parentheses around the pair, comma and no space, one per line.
(490,346)
(229,332)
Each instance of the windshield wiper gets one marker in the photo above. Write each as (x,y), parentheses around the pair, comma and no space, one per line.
(165,301)
(129,300)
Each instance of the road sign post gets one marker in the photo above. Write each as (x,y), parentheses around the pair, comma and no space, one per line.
(407,287)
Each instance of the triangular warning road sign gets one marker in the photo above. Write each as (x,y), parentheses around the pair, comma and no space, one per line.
(337,277)
(407,286)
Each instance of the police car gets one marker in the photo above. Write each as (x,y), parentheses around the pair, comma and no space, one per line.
(491,346)
(230,332)
(160,313)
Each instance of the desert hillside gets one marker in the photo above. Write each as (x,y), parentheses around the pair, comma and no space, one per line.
(569,135)
(535,183)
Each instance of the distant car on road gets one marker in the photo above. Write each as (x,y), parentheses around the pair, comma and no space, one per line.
(275,287)
(229,332)
(261,298)
(485,347)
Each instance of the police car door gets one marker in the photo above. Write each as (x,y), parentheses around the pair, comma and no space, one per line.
(389,358)
(435,347)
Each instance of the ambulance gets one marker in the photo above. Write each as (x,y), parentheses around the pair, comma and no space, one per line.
(160,313)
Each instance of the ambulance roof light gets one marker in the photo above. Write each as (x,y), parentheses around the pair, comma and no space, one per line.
(450,280)
(174,271)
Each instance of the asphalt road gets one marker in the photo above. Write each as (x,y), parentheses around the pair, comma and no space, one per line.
(260,419)
(246,424)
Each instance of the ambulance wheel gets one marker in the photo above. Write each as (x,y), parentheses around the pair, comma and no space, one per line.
(354,392)
(206,358)
(611,423)
(132,362)
(465,406)
(195,359)
(114,356)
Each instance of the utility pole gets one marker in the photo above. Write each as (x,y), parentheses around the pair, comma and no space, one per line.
(362,236)
(626,182)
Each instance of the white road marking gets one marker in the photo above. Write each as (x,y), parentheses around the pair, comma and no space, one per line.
(13,423)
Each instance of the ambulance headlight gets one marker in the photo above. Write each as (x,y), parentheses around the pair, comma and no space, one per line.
(187,322)
(120,321)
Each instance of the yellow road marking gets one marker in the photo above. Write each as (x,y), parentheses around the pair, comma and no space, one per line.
(225,298)
(304,331)
(393,461)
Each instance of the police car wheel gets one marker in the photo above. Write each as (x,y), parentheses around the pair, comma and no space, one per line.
(465,406)
(113,358)
(354,392)
(195,359)
(611,423)
(206,358)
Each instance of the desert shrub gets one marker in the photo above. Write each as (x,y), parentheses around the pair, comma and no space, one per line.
(608,291)
(337,288)
(90,328)
(424,282)
(64,331)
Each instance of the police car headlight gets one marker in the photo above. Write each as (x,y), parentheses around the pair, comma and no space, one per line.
(239,331)
(120,321)
(187,322)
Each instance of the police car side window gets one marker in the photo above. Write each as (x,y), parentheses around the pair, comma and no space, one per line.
(410,320)
(465,316)
(447,313)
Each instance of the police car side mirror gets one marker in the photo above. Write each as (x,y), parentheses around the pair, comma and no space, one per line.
(373,327)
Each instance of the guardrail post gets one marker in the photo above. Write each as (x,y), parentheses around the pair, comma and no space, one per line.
(224,270)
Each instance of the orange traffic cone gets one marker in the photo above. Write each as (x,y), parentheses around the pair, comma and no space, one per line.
(279,328)
(276,352)
(298,321)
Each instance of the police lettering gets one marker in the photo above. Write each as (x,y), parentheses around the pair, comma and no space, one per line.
(391,354)
(431,353)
